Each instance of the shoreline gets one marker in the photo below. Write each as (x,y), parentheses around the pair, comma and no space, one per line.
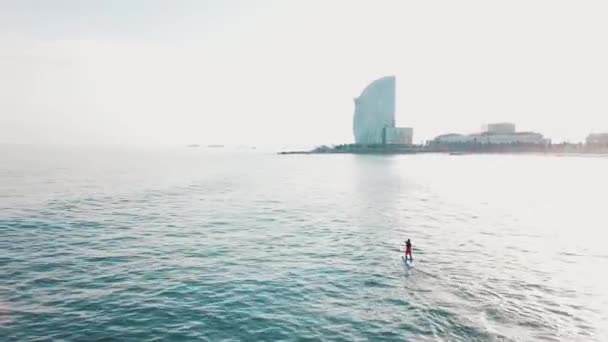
(554,154)
(495,149)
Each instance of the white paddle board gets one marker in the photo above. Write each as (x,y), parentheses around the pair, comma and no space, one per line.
(407,263)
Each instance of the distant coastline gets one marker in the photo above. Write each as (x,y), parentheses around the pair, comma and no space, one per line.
(458,149)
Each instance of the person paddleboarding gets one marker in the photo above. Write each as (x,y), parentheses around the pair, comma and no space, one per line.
(408,250)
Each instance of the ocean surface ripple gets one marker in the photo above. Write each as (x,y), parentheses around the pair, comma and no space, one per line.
(198,245)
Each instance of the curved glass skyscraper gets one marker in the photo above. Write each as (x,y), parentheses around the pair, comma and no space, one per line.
(375,111)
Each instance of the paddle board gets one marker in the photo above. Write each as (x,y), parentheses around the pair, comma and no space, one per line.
(407,263)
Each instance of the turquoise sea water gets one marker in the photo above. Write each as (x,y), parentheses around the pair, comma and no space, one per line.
(194,244)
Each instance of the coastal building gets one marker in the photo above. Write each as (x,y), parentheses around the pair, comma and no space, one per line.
(499,128)
(597,139)
(398,135)
(374,117)
(453,138)
(494,134)
(510,138)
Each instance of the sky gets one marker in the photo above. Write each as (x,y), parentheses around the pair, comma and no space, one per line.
(285,72)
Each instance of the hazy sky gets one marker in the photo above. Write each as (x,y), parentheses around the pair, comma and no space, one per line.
(286,71)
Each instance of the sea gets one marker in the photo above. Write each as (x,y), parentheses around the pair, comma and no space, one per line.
(229,244)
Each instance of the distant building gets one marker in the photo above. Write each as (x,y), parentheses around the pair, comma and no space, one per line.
(374,118)
(499,128)
(510,138)
(453,138)
(597,139)
(495,134)
(398,135)
(374,110)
